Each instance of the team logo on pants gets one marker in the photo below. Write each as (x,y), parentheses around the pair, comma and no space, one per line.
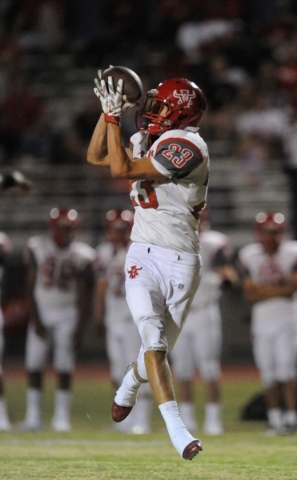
(133,272)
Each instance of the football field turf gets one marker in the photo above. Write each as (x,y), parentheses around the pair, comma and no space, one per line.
(93,451)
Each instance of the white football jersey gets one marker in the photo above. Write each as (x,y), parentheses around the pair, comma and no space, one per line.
(167,211)
(110,265)
(57,269)
(270,270)
(209,290)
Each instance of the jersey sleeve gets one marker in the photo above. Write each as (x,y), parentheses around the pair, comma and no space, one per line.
(176,157)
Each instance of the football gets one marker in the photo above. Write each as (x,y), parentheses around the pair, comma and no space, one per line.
(132,86)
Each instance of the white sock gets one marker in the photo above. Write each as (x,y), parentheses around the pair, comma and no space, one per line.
(213,413)
(179,435)
(33,413)
(275,417)
(187,413)
(290,418)
(3,409)
(126,395)
(142,412)
(62,404)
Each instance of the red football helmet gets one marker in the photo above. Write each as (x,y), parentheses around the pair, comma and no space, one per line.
(63,223)
(118,224)
(185,105)
(269,230)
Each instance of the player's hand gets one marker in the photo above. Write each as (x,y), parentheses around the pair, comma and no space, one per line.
(115,101)
(101,91)
(127,105)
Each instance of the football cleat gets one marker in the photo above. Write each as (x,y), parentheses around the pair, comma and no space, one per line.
(119,413)
(192,450)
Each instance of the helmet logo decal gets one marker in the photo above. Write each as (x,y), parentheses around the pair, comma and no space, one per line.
(184,96)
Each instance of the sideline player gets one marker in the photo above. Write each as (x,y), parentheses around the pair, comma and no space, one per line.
(201,336)
(112,313)
(269,284)
(59,270)
(168,168)
(8,180)
(5,248)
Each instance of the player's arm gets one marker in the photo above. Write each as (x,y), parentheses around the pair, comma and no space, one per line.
(106,145)
(106,149)
(121,165)
(258,293)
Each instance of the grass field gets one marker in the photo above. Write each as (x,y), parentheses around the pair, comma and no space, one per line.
(92,451)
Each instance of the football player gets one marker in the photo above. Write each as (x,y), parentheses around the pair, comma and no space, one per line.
(168,167)
(8,180)
(201,336)
(5,248)
(269,284)
(112,313)
(59,272)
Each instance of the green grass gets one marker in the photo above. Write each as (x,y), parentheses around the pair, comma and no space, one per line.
(91,451)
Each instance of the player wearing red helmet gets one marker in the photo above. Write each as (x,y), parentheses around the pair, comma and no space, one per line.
(269,284)
(63,223)
(167,165)
(59,270)
(183,100)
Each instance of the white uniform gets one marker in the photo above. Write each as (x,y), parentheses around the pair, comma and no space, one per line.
(123,340)
(272,319)
(56,297)
(5,247)
(200,342)
(163,263)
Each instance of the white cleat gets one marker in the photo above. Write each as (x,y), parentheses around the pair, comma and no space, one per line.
(213,429)
(61,425)
(139,430)
(5,425)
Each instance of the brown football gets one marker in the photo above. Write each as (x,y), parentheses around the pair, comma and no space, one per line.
(132,86)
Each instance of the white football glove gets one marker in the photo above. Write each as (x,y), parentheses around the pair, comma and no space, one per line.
(115,101)
(102,93)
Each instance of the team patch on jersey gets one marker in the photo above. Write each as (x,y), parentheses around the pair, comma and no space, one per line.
(133,272)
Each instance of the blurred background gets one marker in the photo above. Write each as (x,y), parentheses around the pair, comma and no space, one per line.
(242,53)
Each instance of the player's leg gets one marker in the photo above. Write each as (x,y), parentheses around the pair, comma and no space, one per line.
(140,417)
(264,359)
(184,374)
(64,362)
(208,343)
(162,303)
(35,359)
(285,373)
(4,420)
(119,357)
